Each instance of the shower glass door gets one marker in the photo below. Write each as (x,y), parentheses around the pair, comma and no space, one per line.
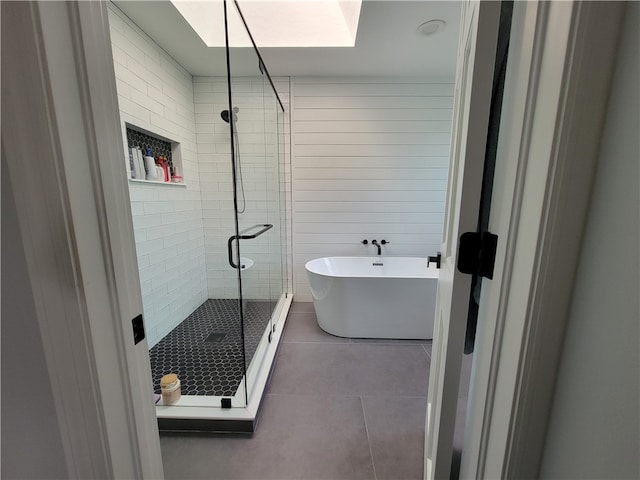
(257,254)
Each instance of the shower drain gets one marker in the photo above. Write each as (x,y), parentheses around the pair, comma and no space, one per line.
(215,337)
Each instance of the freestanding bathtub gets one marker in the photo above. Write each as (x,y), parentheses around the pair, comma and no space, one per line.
(374,297)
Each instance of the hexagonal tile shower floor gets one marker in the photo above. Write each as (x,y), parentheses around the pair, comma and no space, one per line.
(205,350)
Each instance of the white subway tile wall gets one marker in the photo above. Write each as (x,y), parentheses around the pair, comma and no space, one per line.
(264,177)
(156,94)
(370,159)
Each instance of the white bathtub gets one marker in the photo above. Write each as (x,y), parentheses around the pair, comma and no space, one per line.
(354,297)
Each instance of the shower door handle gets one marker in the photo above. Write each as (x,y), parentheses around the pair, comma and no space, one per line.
(263,228)
(230,250)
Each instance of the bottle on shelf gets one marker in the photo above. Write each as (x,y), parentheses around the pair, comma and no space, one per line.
(164,164)
(177,175)
(150,166)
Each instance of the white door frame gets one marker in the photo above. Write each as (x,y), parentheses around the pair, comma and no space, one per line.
(63,147)
(76,226)
(560,66)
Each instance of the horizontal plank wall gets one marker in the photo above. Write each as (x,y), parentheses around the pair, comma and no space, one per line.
(155,93)
(370,159)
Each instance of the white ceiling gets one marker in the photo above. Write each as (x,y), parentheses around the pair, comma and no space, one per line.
(386,45)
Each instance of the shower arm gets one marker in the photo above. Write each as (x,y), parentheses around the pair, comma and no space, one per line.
(264,227)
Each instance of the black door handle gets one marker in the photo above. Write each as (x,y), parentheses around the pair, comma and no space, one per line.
(437,259)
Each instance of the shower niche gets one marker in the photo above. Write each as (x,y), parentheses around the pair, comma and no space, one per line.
(166,152)
(212,255)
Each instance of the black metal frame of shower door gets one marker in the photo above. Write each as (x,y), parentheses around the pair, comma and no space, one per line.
(235,200)
(238,235)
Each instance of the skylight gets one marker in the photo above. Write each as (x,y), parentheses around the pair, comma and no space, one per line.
(279,23)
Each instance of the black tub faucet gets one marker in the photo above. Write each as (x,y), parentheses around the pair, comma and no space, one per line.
(375,242)
(379,245)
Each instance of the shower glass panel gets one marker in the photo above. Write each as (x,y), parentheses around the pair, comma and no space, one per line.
(212,249)
(257,254)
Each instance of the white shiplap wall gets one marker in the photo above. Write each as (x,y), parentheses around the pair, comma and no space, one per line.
(259,156)
(156,94)
(370,159)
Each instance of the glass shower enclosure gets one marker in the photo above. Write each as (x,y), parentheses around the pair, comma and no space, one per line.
(255,116)
(223,351)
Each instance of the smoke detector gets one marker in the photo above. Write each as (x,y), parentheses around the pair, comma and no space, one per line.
(431,27)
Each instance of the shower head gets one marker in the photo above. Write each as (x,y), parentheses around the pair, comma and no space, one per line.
(225,114)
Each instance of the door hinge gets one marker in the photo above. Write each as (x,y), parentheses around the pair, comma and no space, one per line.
(477,253)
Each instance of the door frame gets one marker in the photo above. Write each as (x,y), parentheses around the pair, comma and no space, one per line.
(101,386)
(63,147)
(560,66)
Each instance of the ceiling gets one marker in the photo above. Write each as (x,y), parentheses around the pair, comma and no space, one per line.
(387,43)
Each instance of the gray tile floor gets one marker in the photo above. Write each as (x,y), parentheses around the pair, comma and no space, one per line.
(335,409)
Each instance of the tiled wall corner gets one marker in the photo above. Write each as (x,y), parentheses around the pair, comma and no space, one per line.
(260,157)
(283,87)
(156,94)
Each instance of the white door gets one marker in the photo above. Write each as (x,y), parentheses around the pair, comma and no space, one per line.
(476,58)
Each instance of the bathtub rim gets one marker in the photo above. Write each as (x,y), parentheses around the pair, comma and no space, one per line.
(432,273)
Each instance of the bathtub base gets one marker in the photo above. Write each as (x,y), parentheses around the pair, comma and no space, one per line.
(400,308)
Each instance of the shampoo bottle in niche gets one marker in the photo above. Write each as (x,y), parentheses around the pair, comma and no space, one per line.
(150,166)
(130,165)
(177,176)
(166,173)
